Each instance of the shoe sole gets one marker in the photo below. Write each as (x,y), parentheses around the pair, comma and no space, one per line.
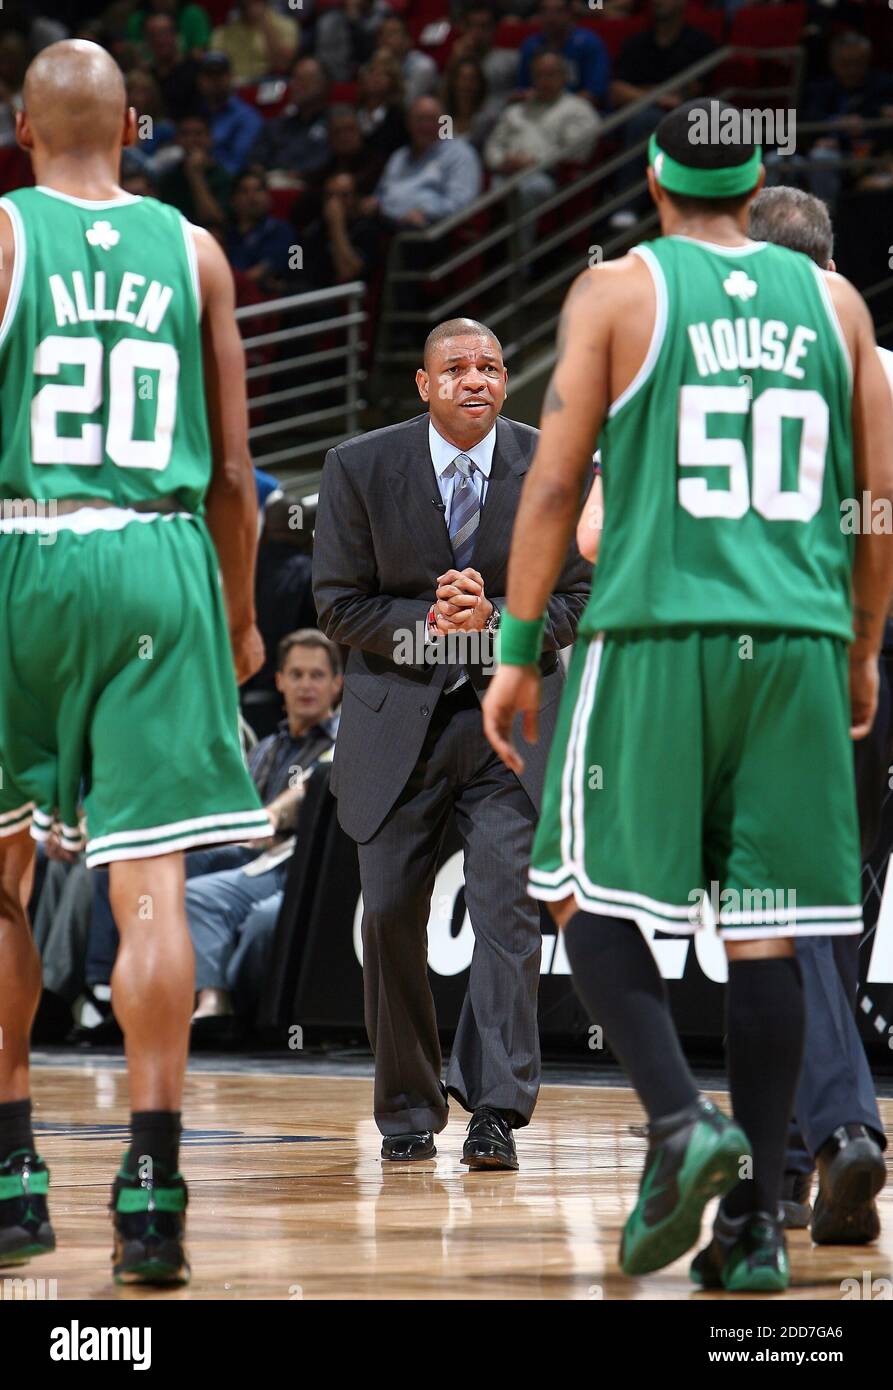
(153,1272)
(28,1248)
(678,1233)
(491,1162)
(847,1215)
(422,1158)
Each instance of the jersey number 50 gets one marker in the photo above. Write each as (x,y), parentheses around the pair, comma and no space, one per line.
(127,357)
(764,493)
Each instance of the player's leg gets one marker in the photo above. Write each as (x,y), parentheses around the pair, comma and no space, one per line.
(783,847)
(153,987)
(24,1220)
(622,779)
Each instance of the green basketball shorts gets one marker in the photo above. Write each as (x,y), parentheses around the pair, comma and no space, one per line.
(696,771)
(117,693)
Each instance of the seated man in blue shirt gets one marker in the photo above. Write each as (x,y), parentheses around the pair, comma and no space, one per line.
(220,905)
(258,245)
(234,124)
(589,68)
(430,178)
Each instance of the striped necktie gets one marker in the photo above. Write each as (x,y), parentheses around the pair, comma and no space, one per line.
(465,517)
(465,511)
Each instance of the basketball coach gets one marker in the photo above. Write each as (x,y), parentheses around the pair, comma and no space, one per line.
(409,572)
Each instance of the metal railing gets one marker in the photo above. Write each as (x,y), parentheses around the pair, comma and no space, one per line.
(305,373)
(480,261)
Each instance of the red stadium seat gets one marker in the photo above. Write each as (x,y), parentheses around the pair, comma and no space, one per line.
(768,26)
(710,22)
(344,92)
(511,33)
(615,32)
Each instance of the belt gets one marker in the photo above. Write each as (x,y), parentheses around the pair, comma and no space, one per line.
(64,506)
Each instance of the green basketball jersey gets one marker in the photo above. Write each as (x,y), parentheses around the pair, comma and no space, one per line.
(101,386)
(726,460)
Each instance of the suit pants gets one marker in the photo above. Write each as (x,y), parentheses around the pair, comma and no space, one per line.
(495,1059)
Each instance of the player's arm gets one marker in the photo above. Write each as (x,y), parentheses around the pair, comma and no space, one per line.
(231,504)
(7,258)
(873,460)
(574,407)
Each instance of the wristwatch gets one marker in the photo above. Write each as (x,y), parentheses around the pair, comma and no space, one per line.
(494,620)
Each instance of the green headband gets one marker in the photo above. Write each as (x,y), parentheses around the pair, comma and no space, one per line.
(703,183)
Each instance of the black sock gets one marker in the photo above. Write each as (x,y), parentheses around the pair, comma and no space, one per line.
(764,1022)
(15,1127)
(617,979)
(155,1136)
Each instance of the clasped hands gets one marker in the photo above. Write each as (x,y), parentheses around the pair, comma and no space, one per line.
(460,603)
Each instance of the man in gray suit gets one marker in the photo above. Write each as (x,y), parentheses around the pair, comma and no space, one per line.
(409,569)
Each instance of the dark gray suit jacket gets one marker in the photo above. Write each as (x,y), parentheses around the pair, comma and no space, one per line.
(380,544)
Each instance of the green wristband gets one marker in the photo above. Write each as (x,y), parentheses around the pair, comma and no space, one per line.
(520,640)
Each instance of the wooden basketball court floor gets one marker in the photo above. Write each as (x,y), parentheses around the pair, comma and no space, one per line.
(289,1198)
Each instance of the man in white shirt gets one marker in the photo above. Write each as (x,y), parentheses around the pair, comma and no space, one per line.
(553,124)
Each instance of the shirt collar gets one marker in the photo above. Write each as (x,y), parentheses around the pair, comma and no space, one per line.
(443,453)
(327,726)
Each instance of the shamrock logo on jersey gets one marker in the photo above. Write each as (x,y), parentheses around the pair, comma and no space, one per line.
(103,235)
(739,285)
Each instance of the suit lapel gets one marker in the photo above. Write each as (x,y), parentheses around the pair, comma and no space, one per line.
(414,487)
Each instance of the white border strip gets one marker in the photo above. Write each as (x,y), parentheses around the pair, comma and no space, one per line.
(242,820)
(186,841)
(192,258)
(831,311)
(657,335)
(20,258)
(83,522)
(13,822)
(122,201)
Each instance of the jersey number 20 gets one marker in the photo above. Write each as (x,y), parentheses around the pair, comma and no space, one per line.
(127,357)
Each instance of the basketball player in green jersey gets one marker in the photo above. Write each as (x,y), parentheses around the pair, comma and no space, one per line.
(703,746)
(121,496)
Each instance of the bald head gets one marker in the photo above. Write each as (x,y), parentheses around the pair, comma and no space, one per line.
(74,99)
(457,328)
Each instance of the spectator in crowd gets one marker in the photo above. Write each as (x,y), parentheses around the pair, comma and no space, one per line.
(467,102)
(430,178)
(553,124)
(380,107)
(283,598)
(345,37)
(588,65)
(257,40)
(476,39)
(295,145)
(175,75)
(647,61)
(217,905)
(348,152)
(342,244)
(155,131)
(191,21)
(196,184)
(13,61)
(854,93)
(257,245)
(235,125)
(418,71)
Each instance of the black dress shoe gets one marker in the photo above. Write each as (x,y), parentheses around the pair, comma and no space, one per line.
(851,1174)
(795,1201)
(489,1143)
(408,1148)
